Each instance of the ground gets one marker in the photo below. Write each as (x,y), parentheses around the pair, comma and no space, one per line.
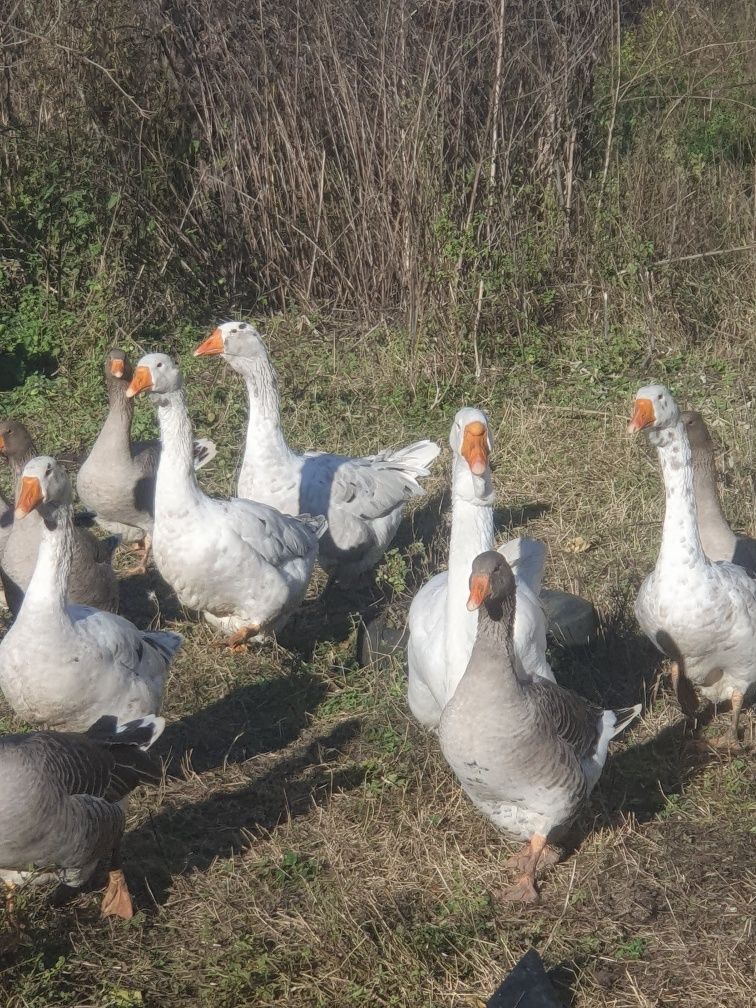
(310,847)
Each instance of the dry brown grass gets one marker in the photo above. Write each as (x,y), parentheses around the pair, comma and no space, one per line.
(309,846)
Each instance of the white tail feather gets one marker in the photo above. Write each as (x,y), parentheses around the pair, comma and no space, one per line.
(415,458)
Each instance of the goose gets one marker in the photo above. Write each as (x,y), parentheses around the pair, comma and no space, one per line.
(244,564)
(65,666)
(362,498)
(701,615)
(6,523)
(117,479)
(61,801)
(441,631)
(717,538)
(526,752)
(92,580)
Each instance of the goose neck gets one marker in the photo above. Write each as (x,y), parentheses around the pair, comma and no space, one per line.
(708,505)
(264,435)
(472,532)
(493,651)
(175,477)
(18,464)
(116,430)
(681,542)
(496,623)
(48,587)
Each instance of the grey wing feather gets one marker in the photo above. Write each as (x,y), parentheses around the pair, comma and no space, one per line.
(79,765)
(573,719)
(374,486)
(88,766)
(274,536)
(146,454)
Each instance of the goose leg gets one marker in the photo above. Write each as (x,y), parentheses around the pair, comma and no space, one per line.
(524,890)
(238,641)
(686,695)
(730,740)
(116,901)
(142,552)
(519,861)
(10,906)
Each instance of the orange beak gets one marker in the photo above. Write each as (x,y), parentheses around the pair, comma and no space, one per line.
(475,447)
(141,382)
(212,346)
(2,443)
(116,368)
(30,496)
(480,589)
(643,416)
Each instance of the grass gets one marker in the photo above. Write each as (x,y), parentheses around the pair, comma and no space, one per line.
(308,845)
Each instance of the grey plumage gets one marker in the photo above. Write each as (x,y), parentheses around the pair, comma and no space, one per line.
(59,794)
(717,538)
(117,479)
(92,581)
(526,751)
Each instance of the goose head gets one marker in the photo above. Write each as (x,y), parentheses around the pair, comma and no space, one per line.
(44,483)
(117,367)
(156,373)
(471,445)
(491,583)
(698,433)
(654,410)
(234,341)
(15,443)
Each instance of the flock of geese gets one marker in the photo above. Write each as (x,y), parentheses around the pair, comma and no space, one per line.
(526,751)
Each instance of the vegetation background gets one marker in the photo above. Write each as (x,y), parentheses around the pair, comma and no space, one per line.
(533,205)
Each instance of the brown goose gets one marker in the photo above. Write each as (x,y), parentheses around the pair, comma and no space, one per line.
(527,752)
(717,538)
(117,479)
(92,581)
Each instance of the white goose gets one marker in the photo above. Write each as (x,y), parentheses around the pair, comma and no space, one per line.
(362,498)
(702,615)
(441,630)
(67,666)
(117,479)
(244,564)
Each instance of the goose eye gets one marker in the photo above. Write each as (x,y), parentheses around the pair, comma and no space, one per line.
(242,326)
(660,397)
(159,364)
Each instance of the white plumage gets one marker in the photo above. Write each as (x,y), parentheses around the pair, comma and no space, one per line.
(362,498)
(67,666)
(441,631)
(700,614)
(245,565)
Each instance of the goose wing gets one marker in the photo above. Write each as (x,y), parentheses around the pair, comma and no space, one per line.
(277,538)
(370,487)
(569,716)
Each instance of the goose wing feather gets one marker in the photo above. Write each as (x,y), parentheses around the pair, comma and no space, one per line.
(573,719)
(275,537)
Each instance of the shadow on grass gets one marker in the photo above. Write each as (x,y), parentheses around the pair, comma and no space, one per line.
(255,718)
(178,841)
(619,669)
(147,600)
